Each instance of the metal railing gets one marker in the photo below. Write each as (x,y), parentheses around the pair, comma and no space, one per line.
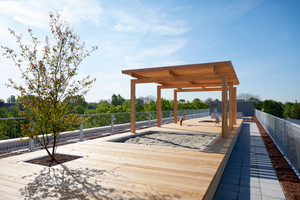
(93,126)
(285,135)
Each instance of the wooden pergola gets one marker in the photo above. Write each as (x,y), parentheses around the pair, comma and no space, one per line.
(215,76)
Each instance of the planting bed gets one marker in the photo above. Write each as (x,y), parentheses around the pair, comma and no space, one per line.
(47,161)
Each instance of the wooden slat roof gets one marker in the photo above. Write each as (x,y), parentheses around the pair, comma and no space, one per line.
(186,76)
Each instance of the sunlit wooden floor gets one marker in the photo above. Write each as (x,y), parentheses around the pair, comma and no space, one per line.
(111,170)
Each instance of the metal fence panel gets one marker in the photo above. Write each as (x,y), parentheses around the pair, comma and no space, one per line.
(285,135)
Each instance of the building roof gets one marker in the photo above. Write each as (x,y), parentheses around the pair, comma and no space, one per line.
(186,76)
(8,105)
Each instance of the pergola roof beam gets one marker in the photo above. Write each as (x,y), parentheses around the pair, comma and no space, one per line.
(173,73)
(179,78)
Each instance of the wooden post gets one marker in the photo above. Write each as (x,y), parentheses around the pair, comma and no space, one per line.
(231,105)
(175,106)
(235,107)
(132,107)
(158,106)
(224,106)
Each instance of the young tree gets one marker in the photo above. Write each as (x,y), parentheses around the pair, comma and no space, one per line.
(49,81)
(257,102)
(198,104)
(208,100)
(149,98)
(77,104)
(14,111)
(287,109)
(248,96)
(150,106)
(4,113)
(273,107)
(295,111)
(117,100)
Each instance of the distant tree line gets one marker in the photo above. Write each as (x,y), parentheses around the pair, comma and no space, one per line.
(276,108)
(118,104)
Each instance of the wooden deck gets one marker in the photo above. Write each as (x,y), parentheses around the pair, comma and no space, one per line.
(123,171)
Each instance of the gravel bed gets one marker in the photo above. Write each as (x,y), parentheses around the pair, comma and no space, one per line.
(172,140)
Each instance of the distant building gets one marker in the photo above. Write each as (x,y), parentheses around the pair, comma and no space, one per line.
(246,107)
(7,105)
(141,102)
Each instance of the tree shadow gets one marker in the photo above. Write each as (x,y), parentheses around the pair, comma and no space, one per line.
(66,183)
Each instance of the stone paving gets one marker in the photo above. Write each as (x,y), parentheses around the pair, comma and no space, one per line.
(249,173)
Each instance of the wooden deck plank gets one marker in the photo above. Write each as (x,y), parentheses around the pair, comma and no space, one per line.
(168,151)
(204,168)
(156,157)
(119,181)
(8,190)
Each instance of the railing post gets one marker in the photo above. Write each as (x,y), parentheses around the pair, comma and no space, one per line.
(112,123)
(149,119)
(31,144)
(171,116)
(31,141)
(81,129)
(161,117)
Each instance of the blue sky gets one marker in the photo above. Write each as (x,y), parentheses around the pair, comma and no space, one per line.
(261,38)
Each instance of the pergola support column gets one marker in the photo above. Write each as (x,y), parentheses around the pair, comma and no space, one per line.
(235,107)
(175,106)
(158,106)
(231,105)
(224,106)
(132,106)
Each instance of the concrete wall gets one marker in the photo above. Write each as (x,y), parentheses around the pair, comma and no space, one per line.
(246,107)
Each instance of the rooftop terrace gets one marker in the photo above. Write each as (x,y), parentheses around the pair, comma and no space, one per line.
(117,170)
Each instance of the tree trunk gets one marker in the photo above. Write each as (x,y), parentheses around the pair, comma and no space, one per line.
(53,148)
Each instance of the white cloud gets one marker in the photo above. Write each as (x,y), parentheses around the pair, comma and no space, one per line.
(22,11)
(180,8)
(35,13)
(241,6)
(151,55)
(120,27)
(4,33)
(145,21)
(77,10)
(167,30)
